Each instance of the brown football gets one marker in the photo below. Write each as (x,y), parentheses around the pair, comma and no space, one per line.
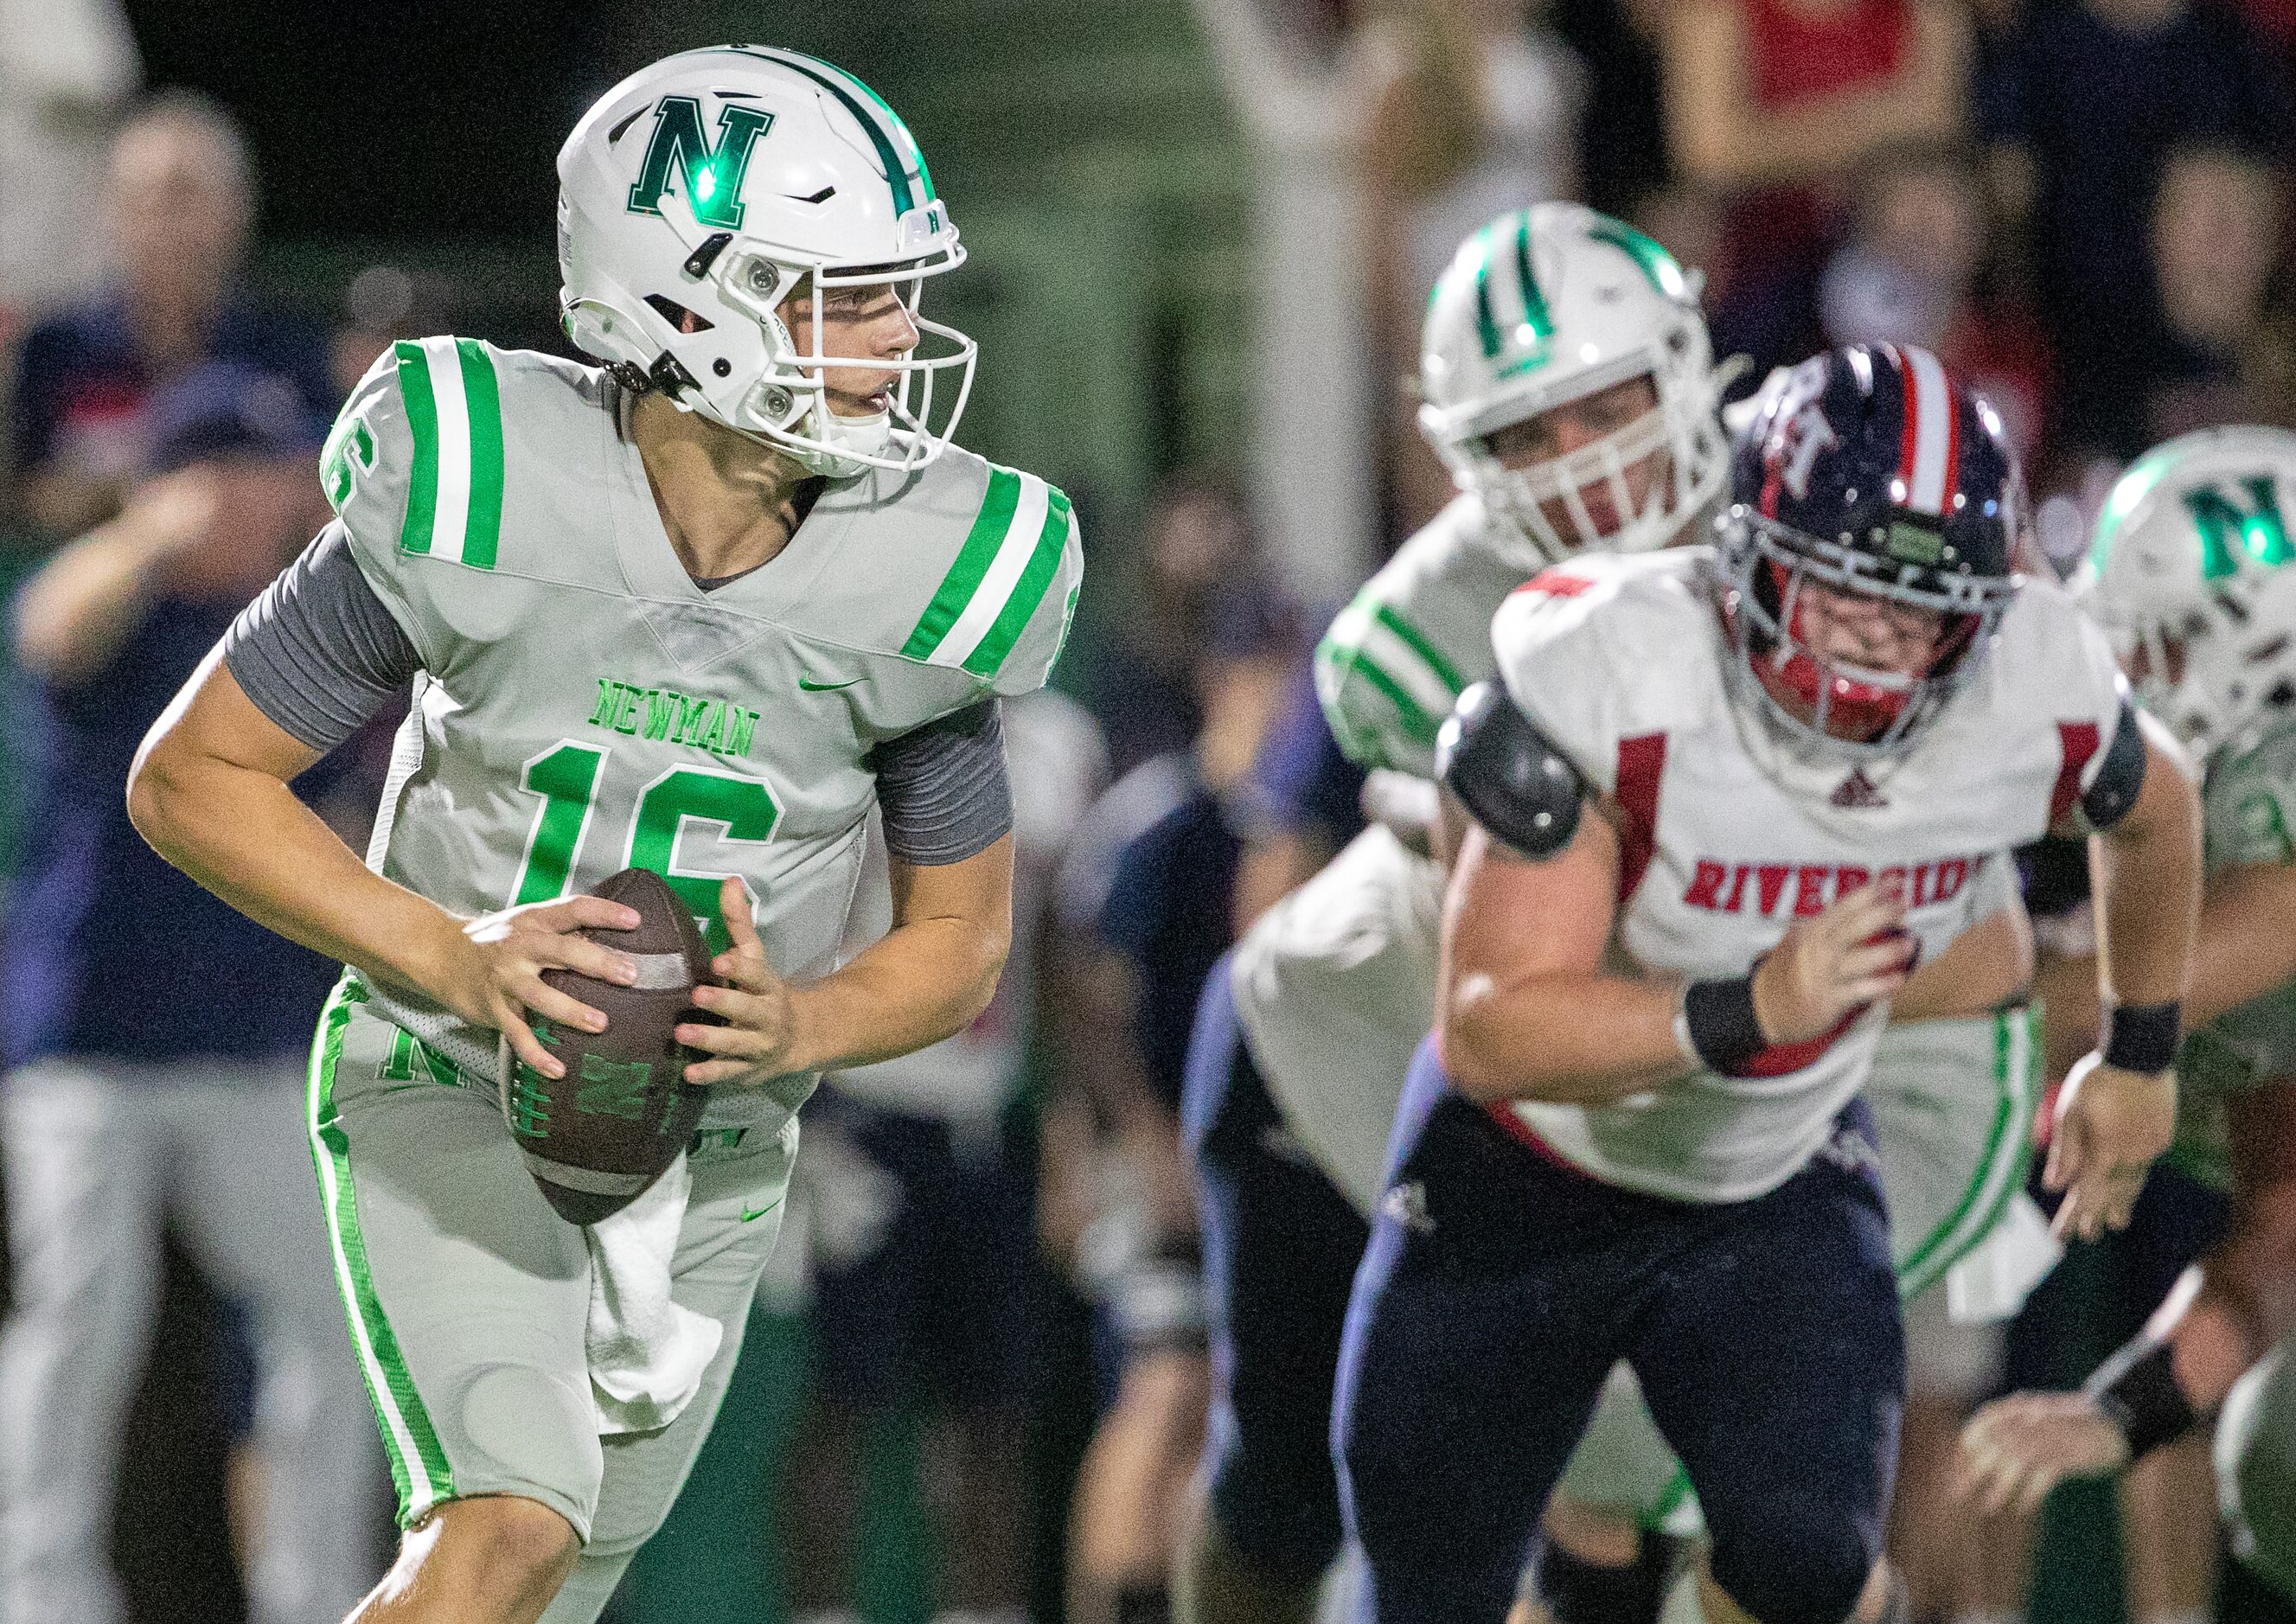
(597,1137)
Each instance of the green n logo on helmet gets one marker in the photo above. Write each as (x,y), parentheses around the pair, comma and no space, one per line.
(2257,531)
(711,175)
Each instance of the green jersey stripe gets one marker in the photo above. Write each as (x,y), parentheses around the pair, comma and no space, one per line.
(422,423)
(1421,645)
(1358,740)
(1418,726)
(419,1468)
(1401,657)
(482,402)
(972,561)
(1028,592)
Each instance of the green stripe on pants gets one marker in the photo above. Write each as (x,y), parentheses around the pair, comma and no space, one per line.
(2000,1171)
(418,1465)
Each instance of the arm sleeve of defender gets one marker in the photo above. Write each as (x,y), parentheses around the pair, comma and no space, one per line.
(319,652)
(942,787)
(1494,758)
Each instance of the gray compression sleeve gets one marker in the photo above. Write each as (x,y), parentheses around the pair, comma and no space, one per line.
(319,653)
(942,787)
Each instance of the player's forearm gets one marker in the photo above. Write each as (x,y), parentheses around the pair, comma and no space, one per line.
(1566,1040)
(242,835)
(923,982)
(2145,874)
(1988,964)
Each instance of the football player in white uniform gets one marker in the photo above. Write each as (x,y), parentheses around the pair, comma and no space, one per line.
(2192,572)
(1668,954)
(698,612)
(1568,381)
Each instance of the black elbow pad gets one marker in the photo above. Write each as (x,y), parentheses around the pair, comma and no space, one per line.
(1503,770)
(2118,777)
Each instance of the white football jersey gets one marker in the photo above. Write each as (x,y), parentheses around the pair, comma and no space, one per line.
(1729,832)
(1335,984)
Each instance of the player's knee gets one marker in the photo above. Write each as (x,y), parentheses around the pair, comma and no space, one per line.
(1799,1562)
(502,1551)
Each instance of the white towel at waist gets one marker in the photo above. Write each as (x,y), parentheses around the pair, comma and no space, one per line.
(647,1352)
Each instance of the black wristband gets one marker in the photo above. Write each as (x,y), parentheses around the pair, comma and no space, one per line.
(2143,1036)
(2137,1391)
(1718,1017)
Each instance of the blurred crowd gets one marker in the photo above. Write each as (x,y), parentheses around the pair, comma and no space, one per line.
(978,1386)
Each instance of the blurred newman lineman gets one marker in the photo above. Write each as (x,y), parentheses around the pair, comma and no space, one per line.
(2192,573)
(694,610)
(1569,383)
(1667,953)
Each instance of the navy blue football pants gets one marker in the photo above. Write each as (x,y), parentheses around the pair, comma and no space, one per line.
(1500,1288)
(1281,1244)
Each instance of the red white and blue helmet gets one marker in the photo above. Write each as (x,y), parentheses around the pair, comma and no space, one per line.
(1868,469)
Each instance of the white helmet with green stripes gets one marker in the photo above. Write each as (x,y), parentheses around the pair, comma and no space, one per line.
(697,194)
(2191,571)
(1545,305)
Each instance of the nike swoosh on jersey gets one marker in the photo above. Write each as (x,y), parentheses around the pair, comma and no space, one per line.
(826,687)
(747,1214)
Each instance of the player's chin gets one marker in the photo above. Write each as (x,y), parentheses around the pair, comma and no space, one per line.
(874,400)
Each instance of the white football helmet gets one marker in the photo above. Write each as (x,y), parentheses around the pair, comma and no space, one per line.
(697,194)
(2191,565)
(1540,307)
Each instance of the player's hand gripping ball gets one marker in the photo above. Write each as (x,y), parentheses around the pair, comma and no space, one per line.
(596,1138)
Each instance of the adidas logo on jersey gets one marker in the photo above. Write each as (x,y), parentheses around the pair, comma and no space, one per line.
(1857,790)
(1760,888)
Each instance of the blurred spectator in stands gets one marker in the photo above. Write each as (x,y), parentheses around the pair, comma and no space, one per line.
(181,207)
(1146,906)
(1200,548)
(1778,104)
(1909,275)
(383,305)
(1304,802)
(2228,350)
(924,1308)
(2082,102)
(1622,153)
(66,66)
(155,1040)
(1474,111)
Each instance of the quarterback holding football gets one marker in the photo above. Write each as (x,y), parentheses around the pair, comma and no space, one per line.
(692,610)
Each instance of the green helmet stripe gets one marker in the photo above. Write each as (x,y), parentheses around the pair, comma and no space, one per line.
(1663,270)
(1486,325)
(1535,313)
(900,125)
(896,172)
